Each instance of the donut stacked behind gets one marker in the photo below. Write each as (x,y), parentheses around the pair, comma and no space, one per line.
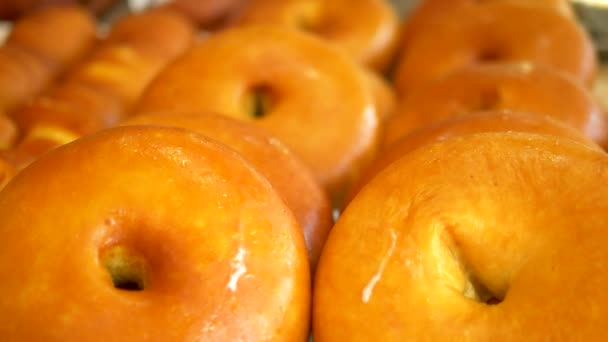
(498,86)
(100,91)
(302,90)
(495,31)
(365,29)
(32,56)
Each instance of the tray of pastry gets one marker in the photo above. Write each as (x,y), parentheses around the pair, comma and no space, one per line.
(254,170)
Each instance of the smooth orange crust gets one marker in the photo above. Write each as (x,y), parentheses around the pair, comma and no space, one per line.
(321,107)
(495,31)
(287,174)
(430,10)
(520,87)
(523,216)
(481,122)
(366,29)
(30,59)
(225,258)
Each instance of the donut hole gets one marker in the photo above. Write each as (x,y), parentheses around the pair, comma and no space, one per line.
(476,291)
(259,101)
(458,274)
(128,269)
(490,54)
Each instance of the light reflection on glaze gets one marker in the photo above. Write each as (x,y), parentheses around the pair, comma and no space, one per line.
(369,288)
(238,264)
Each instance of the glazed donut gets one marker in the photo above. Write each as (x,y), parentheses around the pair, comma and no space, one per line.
(480,122)
(495,32)
(428,11)
(496,236)
(100,92)
(303,91)
(37,33)
(206,13)
(31,57)
(366,29)
(287,174)
(520,87)
(171,236)
(8,132)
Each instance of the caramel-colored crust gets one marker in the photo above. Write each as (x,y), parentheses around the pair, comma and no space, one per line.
(523,216)
(8,132)
(287,174)
(322,108)
(481,122)
(520,87)
(225,258)
(101,91)
(32,56)
(496,31)
(366,29)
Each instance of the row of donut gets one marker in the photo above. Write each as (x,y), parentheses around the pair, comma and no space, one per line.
(107,69)
(475,221)
(140,207)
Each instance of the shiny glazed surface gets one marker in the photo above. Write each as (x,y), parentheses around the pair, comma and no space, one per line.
(287,174)
(320,105)
(223,258)
(482,122)
(435,239)
(365,29)
(430,10)
(496,86)
(493,32)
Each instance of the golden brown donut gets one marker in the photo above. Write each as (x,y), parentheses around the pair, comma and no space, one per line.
(488,237)
(495,32)
(428,11)
(8,132)
(287,174)
(520,87)
(365,29)
(171,236)
(297,87)
(60,35)
(480,122)
(100,92)
(32,57)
